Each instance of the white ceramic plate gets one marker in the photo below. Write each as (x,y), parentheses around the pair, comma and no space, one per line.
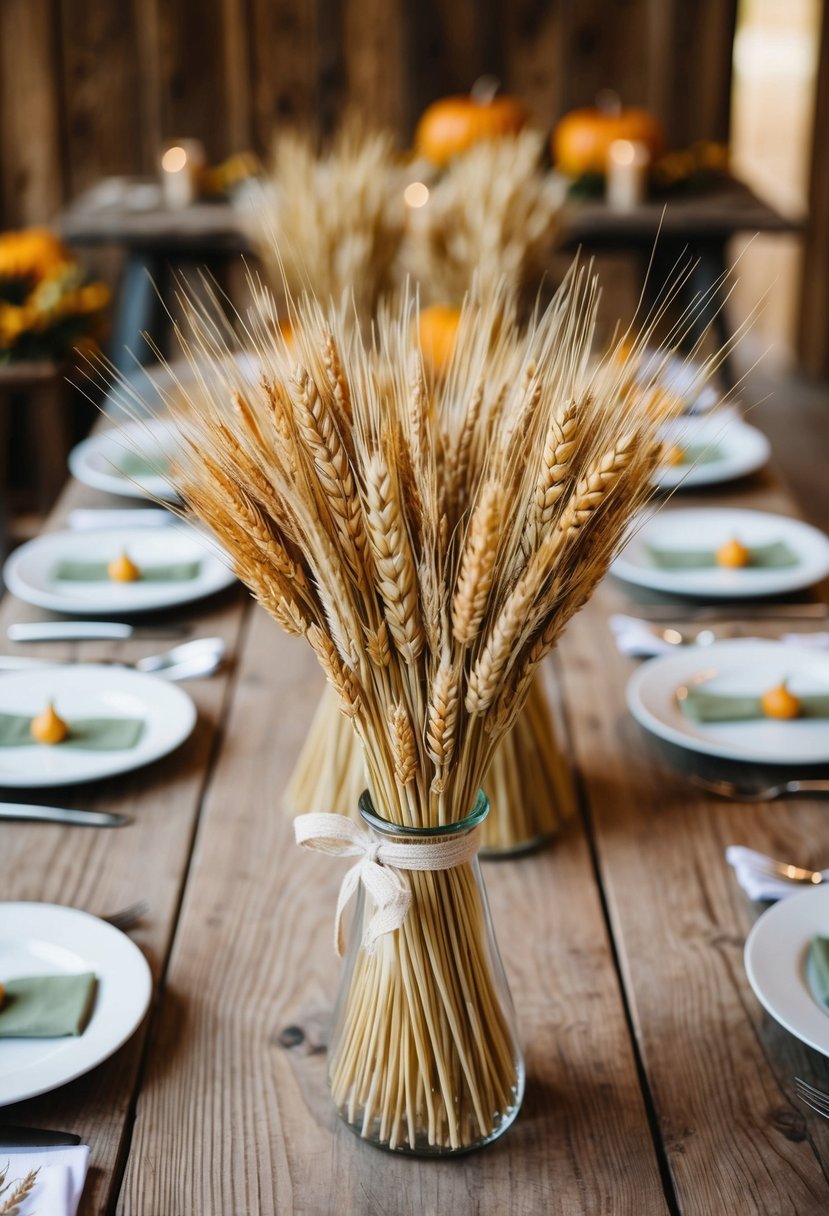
(29,572)
(91,690)
(680,376)
(735,449)
(45,939)
(97,461)
(775,960)
(744,666)
(710,527)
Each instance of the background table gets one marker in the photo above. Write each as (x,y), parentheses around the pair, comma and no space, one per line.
(655,1082)
(693,228)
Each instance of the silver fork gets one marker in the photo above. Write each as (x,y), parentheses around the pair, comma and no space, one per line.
(770,868)
(129,916)
(811,1097)
(758,793)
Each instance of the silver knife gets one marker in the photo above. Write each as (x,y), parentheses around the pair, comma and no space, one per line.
(12,1136)
(57,814)
(90,631)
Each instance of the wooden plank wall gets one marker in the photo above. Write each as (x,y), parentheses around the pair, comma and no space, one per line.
(92,87)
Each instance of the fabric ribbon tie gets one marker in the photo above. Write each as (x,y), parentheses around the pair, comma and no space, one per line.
(379,867)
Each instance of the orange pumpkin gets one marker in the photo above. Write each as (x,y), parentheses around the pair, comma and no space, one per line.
(581,140)
(454,124)
(438,329)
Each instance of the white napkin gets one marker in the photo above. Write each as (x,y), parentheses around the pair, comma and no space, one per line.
(62,1173)
(634,637)
(759,886)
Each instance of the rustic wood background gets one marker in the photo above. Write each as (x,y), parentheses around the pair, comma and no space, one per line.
(91,87)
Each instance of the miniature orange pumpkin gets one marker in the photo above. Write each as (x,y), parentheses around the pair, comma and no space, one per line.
(48,727)
(581,139)
(438,329)
(453,124)
(733,554)
(122,570)
(780,703)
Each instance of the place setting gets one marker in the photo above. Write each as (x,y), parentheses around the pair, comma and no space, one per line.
(118,571)
(73,990)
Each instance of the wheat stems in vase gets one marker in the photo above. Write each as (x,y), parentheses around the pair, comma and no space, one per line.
(326,478)
(528,783)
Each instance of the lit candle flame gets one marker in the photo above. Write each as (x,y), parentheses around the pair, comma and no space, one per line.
(174,159)
(416,194)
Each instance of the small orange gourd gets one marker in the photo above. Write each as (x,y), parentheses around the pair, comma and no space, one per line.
(48,727)
(438,329)
(779,702)
(122,570)
(733,554)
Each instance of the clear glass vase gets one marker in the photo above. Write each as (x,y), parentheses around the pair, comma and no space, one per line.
(424,1057)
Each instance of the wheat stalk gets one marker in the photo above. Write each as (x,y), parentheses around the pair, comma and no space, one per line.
(14,1193)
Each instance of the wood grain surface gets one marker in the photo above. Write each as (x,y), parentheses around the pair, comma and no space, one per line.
(234,1111)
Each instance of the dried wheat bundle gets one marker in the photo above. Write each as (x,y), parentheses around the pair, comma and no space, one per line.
(339,216)
(430,541)
(528,783)
(494,214)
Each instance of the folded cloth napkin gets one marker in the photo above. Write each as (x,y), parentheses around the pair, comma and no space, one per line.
(773,556)
(637,638)
(47,1006)
(89,734)
(819,968)
(698,453)
(702,706)
(98,572)
(756,884)
(136,464)
(61,1174)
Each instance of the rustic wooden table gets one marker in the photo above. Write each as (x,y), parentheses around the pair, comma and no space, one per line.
(655,1082)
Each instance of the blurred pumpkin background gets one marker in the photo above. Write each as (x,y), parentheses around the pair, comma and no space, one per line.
(92,93)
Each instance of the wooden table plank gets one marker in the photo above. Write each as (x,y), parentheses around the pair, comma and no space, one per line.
(234,1114)
(720,1071)
(103,870)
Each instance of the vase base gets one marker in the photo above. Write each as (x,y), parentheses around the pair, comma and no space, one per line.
(422,1147)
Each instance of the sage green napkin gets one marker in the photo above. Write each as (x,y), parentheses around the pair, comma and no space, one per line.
(702,706)
(819,970)
(47,1006)
(135,464)
(90,734)
(698,453)
(768,557)
(97,572)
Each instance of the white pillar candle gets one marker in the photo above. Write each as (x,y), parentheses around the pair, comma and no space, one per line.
(181,164)
(628,165)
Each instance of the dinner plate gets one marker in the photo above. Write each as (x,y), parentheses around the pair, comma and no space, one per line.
(29,571)
(776,951)
(685,378)
(743,666)
(91,690)
(723,448)
(710,527)
(105,460)
(45,939)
